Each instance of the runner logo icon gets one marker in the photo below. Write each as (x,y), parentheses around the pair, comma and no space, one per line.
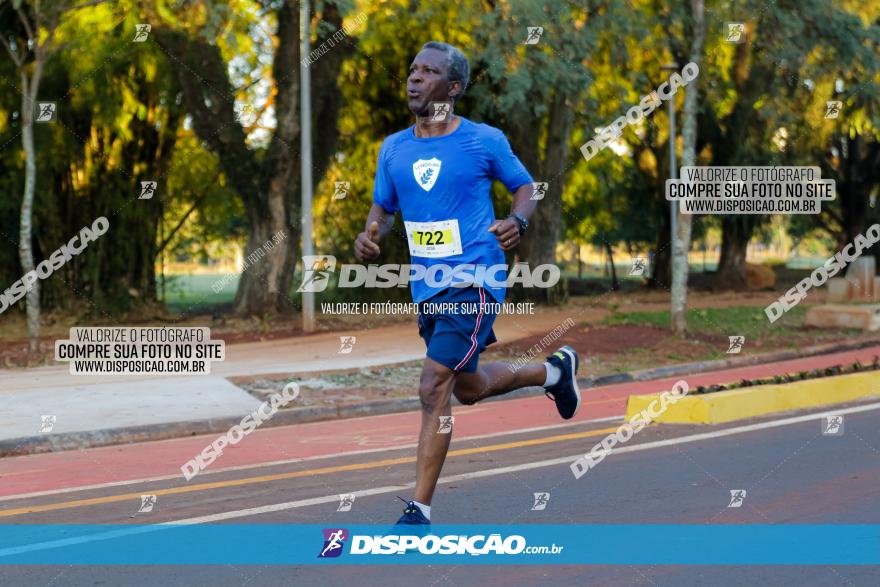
(737,497)
(736,344)
(346,344)
(533,35)
(446,423)
(539,190)
(832,108)
(638,266)
(346,500)
(832,426)
(316,272)
(735,32)
(47,423)
(541,500)
(334,540)
(147,503)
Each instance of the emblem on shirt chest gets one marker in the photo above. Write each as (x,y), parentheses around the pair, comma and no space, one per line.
(426,172)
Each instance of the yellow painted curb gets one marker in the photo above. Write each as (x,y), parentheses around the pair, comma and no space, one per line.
(748,402)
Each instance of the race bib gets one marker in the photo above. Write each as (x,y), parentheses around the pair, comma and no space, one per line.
(433,239)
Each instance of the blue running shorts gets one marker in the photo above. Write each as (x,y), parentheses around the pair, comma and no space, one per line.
(456,325)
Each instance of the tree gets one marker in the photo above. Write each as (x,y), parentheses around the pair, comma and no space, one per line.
(787,44)
(266,179)
(117,122)
(682,243)
(847,147)
(540,93)
(30,46)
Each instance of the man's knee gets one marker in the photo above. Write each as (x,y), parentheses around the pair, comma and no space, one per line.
(465,395)
(434,388)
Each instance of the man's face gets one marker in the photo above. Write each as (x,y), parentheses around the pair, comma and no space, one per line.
(428,81)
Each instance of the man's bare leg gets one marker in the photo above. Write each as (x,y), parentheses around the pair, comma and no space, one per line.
(437,385)
(496,379)
(435,390)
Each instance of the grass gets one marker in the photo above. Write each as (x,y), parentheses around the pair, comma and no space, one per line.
(747,321)
(832,371)
(185,291)
(709,329)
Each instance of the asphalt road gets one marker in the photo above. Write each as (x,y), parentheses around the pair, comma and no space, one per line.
(671,474)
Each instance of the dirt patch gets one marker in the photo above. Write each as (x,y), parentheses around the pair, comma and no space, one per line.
(606,350)
(350,387)
(14,353)
(605,340)
(602,340)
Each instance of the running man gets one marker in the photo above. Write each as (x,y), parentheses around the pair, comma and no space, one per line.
(438,174)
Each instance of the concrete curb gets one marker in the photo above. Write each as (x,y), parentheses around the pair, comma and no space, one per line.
(718,365)
(130,434)
(149,432)
(750,402)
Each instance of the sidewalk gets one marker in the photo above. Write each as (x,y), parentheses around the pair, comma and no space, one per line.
(397,343)
(82,403)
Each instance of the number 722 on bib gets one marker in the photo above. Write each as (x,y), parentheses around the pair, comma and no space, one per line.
(433,239)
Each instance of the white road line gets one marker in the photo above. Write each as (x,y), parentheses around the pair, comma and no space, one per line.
(188,522)
(667,442)
(299,460)
(450,479)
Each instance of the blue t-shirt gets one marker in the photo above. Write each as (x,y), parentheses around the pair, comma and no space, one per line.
(443,179)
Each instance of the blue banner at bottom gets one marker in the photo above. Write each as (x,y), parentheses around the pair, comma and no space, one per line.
(274,544)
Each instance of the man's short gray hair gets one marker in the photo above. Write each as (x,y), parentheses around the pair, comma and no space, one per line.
(459,68)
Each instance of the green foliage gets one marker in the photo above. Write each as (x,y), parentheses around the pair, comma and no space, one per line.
(118,119)
(218,221)
(121,121)
(747,321)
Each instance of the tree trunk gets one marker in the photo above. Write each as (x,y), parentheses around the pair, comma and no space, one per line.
(682,244)
(264,285)
(730,148)
(580,263)
(539,244)
(661,275)
(549,211)
(859,176)
(735,235)
(25,249)
(615,284)
(525,146)
(861,173)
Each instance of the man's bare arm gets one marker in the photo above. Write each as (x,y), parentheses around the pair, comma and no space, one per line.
(507,230)
(379,223)
(523,204)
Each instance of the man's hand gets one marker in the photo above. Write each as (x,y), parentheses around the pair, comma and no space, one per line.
(507,233)
(365,246)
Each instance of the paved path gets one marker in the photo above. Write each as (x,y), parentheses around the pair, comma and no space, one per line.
(98,402)
(396,343)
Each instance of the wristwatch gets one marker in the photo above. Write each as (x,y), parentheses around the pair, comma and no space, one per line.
(523,223)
